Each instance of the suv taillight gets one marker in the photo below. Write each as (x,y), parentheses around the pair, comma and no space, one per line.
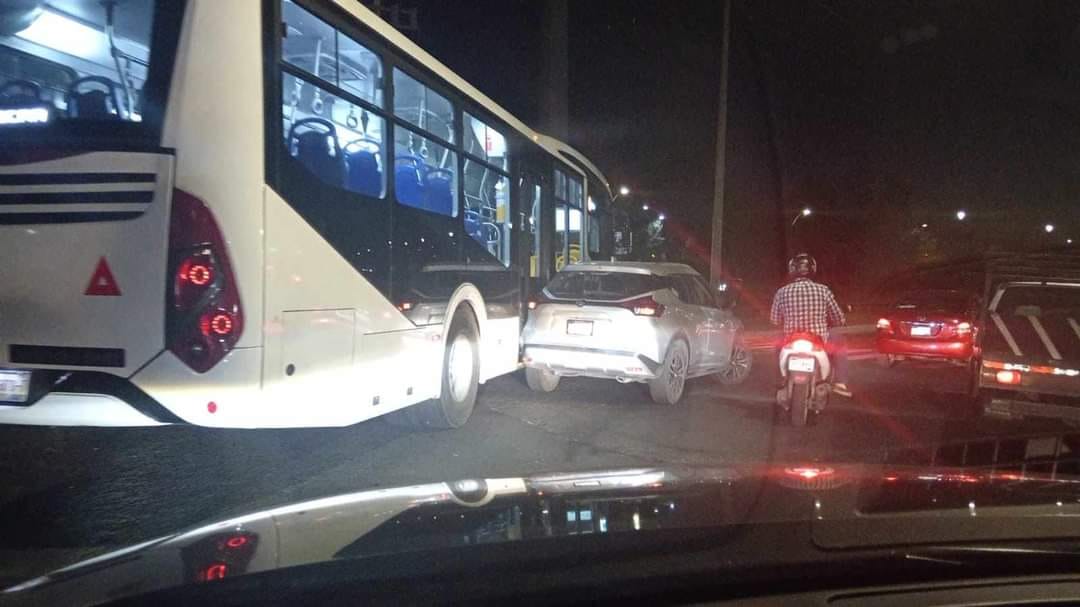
(645,306)
(204,315)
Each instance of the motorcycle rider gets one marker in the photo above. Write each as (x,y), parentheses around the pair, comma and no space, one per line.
(803,305)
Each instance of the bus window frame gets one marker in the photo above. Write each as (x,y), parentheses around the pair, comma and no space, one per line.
(571,172)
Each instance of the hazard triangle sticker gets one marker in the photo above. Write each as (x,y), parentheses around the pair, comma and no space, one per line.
(102,282)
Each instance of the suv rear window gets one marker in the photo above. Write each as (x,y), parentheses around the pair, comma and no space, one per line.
(602,286)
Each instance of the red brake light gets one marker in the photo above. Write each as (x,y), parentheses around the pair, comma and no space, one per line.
(804,346)
(1010,378)
(646,306)
(883,324)
(963,328)
(205,317)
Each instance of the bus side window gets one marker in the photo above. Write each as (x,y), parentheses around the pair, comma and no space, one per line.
(425,165)
(339,140)
(487,210)
(487,189)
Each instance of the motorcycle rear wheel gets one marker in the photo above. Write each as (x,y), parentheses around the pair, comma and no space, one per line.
(800,404)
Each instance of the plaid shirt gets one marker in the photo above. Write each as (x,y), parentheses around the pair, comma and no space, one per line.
(805,305)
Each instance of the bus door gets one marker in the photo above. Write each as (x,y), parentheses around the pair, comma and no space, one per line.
(531,194)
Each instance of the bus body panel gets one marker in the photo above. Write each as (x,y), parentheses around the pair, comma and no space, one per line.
(80,286)
(367,348)
(61,409)
(215,120)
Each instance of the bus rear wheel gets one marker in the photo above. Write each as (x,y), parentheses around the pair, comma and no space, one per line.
(460,380)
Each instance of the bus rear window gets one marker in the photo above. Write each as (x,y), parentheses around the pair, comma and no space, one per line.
(602,286)
(83,61)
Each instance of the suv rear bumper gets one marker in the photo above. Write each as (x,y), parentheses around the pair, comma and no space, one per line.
(591,362)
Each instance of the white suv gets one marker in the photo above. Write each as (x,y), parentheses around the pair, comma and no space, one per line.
(632,321)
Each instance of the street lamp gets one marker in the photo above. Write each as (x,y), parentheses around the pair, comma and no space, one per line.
(1049,228)
(803,213)
(961,214)
(661,217)
(644,207)
(623,191)
(1068,241)
(925,225)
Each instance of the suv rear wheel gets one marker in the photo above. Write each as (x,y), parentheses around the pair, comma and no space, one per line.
(740,365)
(667,388)
(540,380)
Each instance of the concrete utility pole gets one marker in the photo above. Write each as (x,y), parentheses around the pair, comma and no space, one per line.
(717,249)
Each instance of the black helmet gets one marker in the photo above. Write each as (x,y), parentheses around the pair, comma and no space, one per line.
(802,265)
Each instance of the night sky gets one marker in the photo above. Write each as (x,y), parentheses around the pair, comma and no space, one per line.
(881,116)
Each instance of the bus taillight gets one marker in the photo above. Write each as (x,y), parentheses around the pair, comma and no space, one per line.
(204,315)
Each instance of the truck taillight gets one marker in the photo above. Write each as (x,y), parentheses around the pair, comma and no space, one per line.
(1008,377)
(204,314)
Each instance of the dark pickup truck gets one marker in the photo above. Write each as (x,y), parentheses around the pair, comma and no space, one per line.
(1028,345)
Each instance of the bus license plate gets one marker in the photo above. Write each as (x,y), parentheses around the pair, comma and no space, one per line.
(579,327)
(14,385)
(800,364)
(920,330)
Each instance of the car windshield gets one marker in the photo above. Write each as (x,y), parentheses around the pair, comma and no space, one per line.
(602,286)
(537,283)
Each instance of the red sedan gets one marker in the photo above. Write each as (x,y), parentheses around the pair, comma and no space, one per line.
(929,325)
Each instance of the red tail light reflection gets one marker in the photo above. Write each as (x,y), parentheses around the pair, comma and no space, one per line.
(216,571)
(809,473)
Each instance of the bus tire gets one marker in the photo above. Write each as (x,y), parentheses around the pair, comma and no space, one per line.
(460,376)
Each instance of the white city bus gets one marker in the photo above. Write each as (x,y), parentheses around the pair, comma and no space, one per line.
(262,213)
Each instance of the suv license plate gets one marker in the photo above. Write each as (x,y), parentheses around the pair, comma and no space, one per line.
(14,385)
(579,327)
(800,364)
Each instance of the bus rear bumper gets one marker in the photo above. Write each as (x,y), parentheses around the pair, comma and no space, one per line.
(75,409)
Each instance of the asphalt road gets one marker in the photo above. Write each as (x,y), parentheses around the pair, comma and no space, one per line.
(67,494)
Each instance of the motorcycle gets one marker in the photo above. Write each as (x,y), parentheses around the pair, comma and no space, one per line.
(807,373)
